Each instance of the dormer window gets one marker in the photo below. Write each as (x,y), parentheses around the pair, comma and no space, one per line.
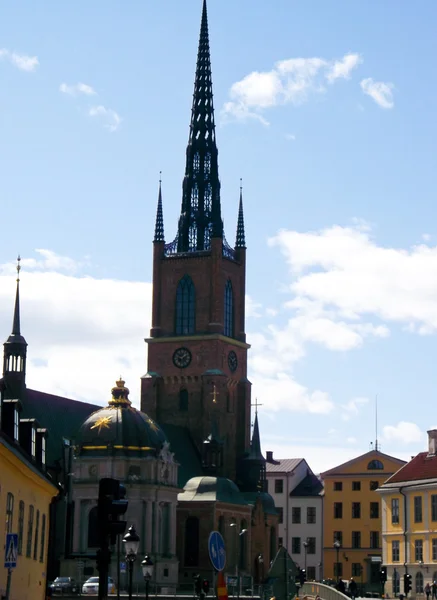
(33,443)
(43,451)
(16,424)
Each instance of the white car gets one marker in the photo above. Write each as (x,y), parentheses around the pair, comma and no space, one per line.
(91,586)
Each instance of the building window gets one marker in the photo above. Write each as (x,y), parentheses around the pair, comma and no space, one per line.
(419,583)
(396,583)
(29,532)
(418,550)
(338,510)
(356,486)
(356,539)
(375,465)
(374,539)
(434,507)
(338,486)
(185,306)
(311,573)
(374,510)
(395,511)
(295,515)
(395,551)
(229,310)
(418,509)
(338,569)
(356,510)
(374,485)
(338,537)
(33,441)
(295,545)
(183,400)
(35,546)
(16,424)
(280,513)
(279,486)
(311,545)
(43,450)
(356,569)
(191,554)
(43,539)
(311,515)
(20,527)
(434,549)
(9,512)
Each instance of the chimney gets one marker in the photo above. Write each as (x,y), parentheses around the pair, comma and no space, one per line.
(269,456)
(432,442)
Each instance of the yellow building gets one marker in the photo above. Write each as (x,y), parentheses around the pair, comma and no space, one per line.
(352,518)
(409,523)
(25,496)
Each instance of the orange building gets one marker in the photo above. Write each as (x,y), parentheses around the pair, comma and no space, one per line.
(352,544)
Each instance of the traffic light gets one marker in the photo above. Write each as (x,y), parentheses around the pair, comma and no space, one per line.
(383,574)
(197,585)
(407,583)
(205,586)
(111,505)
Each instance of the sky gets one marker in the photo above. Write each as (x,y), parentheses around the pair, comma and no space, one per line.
(326,110)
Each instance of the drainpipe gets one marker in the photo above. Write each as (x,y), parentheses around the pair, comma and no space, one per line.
(405,527)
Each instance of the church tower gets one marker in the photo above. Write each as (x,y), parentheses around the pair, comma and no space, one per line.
(197,351)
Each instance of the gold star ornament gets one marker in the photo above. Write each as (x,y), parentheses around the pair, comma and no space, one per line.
(102,423)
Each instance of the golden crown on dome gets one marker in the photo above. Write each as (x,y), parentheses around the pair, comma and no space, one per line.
(120,394)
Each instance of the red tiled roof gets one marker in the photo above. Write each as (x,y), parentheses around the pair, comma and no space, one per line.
(421,466)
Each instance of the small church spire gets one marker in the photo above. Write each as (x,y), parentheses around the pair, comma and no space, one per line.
(255,444)
(16,321)
(159,224)
(240,241)
(200,218)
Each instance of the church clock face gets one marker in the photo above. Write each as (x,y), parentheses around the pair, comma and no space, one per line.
(181,358)
(232,361)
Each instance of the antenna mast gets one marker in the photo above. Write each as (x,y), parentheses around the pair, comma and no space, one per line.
(376,422)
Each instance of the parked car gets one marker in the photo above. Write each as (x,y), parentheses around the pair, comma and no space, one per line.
(91,586)
(64,585)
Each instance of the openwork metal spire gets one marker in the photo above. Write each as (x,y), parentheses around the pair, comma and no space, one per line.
(16,322)
(240,241)
(200,218)
(159,224)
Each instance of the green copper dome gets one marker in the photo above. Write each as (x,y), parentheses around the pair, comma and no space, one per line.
(120,429)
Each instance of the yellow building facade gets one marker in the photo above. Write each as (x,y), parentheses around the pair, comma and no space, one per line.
(25,497)
(409,524)
(352,543)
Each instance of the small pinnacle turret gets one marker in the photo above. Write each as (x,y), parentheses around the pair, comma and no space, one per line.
(200,218)
(159,224)
(240,241)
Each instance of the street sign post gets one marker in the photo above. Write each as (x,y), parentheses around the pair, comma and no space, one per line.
(11,550)
(216,549)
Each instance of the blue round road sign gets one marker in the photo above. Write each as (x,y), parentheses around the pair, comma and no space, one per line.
(216,549)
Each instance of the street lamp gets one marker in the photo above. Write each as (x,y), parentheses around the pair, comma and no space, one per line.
(131,543)
(337,546)
(260,559)
(305,547)
(147,567)
(237,554)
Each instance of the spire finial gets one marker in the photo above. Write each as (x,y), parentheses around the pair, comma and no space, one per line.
(200,218)
(240,241)
(16,321)
(159,224)
(18,267)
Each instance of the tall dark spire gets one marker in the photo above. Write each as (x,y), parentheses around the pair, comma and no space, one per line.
(159,224)
(240,241)
(200,218)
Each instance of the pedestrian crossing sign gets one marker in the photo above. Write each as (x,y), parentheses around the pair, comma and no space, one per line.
(11,550)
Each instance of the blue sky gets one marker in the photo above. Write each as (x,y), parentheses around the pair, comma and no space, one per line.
(327,112)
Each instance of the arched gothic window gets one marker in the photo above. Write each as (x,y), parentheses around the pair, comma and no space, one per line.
(93,532)
(191,554)
(375,465)
(419,582)
(185,306)
(229,310)
(183,400)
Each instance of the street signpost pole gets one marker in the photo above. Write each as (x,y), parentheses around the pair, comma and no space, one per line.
(8,584)
(11,552)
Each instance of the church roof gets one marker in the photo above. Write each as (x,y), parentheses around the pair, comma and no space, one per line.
(185,452)
(211,489)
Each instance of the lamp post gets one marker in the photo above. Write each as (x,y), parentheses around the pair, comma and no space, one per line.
(237,554)
(305,548)
(337,546)
(147,567)
(131,543)
(260,560)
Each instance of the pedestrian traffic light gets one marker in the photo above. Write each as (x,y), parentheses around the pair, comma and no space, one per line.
(112,504)
(197,585)
(205,586)
(407,583)
(383,574)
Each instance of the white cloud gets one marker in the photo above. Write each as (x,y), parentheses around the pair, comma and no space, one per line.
(111,119)
(341,69)
(21,61)
(290,136)
(352,408)
(252,307)
(76,89)
(290,81)
(404,432)
(382,93)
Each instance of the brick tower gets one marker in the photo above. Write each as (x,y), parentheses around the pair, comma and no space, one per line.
(197,351)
